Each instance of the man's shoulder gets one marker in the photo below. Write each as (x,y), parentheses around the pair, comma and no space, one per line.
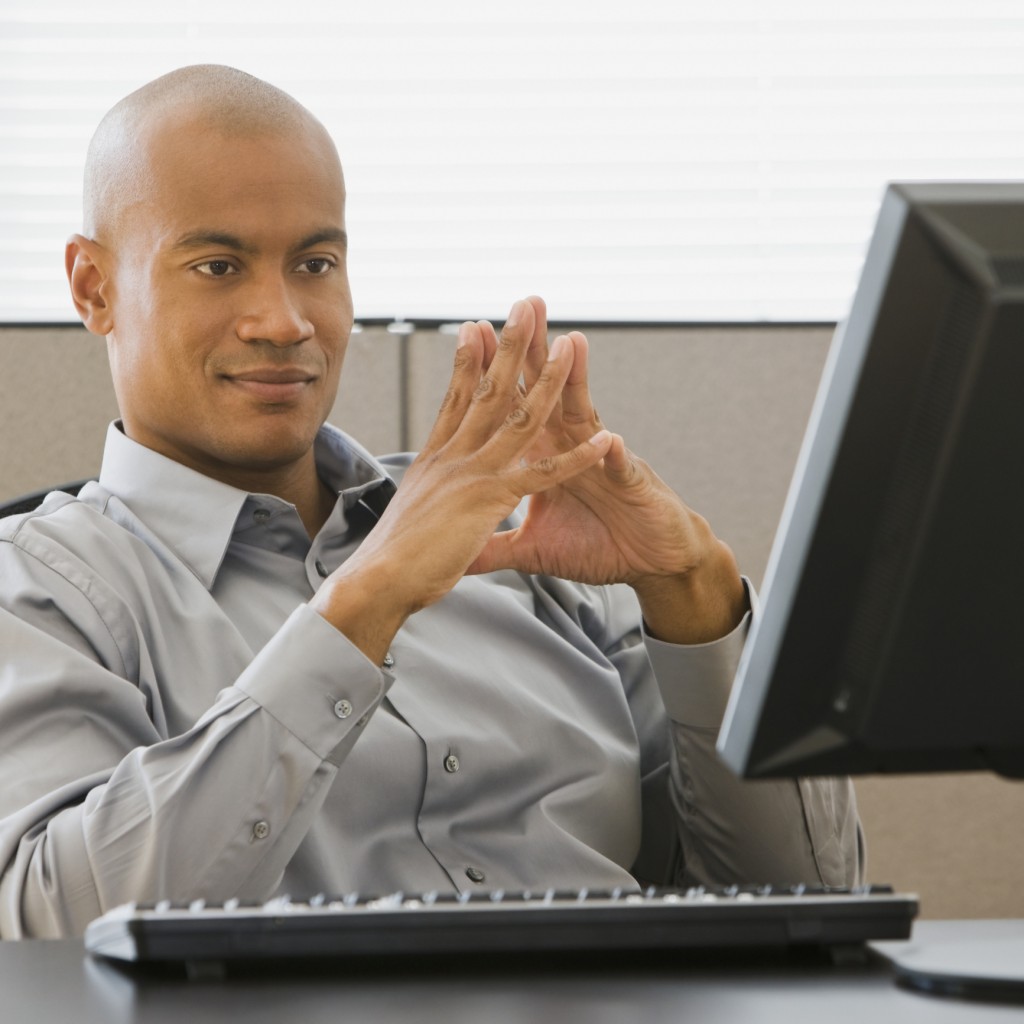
(58,512)
(76,536)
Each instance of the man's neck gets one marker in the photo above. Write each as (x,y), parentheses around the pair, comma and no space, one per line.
(298,484)
(295,481)
(312,498)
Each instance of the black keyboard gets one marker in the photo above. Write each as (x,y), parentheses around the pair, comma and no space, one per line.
(400,924)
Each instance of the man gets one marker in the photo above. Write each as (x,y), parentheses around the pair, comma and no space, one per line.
(242,662)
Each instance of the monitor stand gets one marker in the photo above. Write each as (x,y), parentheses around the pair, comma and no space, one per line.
(965,959)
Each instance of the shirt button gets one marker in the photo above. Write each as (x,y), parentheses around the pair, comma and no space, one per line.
(261,515)
(451,763)
(321,569)
(389,661)
(475,875)
(260,830)
(343,708)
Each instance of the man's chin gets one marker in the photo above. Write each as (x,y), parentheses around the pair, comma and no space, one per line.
(269,452)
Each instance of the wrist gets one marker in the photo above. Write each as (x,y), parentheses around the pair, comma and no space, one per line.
(360,603)
(699,606)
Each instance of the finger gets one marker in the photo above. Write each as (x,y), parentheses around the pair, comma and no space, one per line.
(490,340)
(466,373)
(579,417)
(537,353)
(532,410)
(496,554)
(618,462)
(553,470)
(497,390)
(621,467)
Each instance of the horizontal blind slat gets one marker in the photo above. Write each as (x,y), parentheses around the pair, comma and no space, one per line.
(648,163)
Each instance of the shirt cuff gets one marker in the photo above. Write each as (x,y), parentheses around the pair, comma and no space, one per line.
(695,679)
(316,683)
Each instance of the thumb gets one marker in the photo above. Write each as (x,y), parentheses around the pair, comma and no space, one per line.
(619,465)
(498,553)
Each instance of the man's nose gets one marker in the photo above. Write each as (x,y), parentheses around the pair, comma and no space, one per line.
(273,313)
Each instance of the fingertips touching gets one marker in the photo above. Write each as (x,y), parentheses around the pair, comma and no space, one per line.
(618,462)
(520,325)
(515,315)
(537,352)
(558,348)
(540,309)
(490,341)
(580,361)
(469,335)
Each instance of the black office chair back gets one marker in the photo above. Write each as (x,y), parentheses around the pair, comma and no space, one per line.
(30,502)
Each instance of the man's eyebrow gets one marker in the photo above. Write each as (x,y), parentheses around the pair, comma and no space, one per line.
(205,239)
(225,240)
(337,235)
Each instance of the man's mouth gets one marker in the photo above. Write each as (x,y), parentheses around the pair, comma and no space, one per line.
(273,384)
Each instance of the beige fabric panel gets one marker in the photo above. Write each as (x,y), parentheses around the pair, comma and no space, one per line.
(956,840)
(56,400)
(719,412)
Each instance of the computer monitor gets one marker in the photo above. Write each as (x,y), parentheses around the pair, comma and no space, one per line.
(891,631)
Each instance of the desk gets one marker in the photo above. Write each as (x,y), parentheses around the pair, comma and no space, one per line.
(43,982)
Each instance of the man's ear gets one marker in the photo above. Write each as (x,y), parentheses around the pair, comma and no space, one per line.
(86,263)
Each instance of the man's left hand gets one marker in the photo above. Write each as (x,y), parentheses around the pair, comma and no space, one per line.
(616,522)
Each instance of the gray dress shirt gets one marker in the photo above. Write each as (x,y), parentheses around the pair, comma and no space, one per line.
(175,722)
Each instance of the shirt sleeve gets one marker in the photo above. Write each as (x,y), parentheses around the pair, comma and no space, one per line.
(99,806)
(726,829)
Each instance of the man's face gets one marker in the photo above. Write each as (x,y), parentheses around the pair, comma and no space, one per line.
(229,300)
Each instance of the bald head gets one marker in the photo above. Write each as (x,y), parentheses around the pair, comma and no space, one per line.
(216,268)
(207,97)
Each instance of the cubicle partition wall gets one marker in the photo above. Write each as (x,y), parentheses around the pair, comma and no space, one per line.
(718,411)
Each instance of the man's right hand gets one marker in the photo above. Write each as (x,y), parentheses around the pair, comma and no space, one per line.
(472,473)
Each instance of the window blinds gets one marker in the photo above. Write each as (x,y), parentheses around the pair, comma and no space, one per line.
(661,161)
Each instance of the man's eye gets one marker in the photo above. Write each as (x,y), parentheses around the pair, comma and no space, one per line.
(317,265)
(215,268)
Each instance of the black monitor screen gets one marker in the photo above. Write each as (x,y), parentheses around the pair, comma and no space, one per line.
(891,632)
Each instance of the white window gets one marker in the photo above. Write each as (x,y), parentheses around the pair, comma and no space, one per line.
(660,161)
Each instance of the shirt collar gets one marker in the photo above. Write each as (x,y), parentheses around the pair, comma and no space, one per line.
(196,515)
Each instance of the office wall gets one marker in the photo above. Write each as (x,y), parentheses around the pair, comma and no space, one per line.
(719,412)
(56,400)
